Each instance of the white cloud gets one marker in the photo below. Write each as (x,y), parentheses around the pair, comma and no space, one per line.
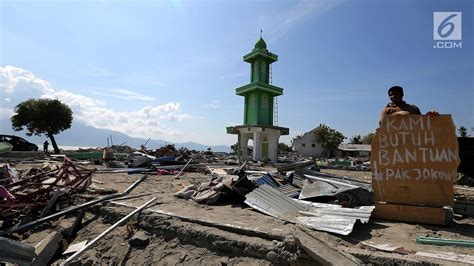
(149,121)
(121,94)
(73,100)
(17,85)
(132,95)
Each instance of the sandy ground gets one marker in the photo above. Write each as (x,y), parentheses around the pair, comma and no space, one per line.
(116,249)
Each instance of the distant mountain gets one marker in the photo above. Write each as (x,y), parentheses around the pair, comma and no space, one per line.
(86,136)
(201,147)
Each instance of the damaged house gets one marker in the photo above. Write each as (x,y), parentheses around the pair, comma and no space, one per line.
(308,145)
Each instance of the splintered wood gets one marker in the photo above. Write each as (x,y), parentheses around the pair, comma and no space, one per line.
(414,161)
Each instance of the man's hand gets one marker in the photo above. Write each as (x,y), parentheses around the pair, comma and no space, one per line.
(401,113)
(432,112)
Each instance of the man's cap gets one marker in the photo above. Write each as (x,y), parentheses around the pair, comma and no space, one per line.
(396,89)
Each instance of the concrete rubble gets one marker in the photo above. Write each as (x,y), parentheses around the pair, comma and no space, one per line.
(139,239)
(47,248)
(296,211)
(16,252)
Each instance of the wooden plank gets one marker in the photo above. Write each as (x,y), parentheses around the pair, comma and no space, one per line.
(407,213)
(415,160)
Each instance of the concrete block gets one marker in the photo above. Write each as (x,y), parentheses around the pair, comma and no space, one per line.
(16,252)
(46,248)
(272,256)
(139,239)
(470,210)
(321,252)
(69,226)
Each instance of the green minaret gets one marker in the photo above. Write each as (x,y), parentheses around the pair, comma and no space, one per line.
(258,108)
(259,94)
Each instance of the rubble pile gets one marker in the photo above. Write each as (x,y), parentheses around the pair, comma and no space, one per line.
(36,192)
(298,192)
(292,184)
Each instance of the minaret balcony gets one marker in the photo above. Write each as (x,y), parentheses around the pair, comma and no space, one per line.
(259,86)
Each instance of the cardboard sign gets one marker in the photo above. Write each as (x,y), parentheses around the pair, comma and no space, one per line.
(414,160)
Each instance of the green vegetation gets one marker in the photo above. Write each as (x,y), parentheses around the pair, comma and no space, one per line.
(357,139)
(367,139)
(329,138)
(462,132)
(42,116)
(284,148)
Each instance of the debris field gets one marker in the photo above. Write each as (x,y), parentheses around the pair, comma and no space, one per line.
(194,208)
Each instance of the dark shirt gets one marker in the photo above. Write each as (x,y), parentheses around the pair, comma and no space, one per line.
(392,108)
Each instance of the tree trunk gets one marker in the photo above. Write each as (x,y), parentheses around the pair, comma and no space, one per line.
(53,142)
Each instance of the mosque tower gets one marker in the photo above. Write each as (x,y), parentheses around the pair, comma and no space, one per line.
(260,108)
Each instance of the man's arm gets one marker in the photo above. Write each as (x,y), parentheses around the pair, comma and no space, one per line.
(416,110)
(383,114)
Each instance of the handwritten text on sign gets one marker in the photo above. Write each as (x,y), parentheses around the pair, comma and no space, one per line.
(410,150)
(406,140)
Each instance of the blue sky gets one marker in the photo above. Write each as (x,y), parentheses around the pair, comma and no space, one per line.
(169,69)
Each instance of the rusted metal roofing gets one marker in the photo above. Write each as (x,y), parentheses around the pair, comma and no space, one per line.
(319,216)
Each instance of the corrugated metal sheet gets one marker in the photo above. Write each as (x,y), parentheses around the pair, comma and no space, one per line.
(289,190)
(298,181)
(338,183)
(358,193)
(342,180)
(334,218)
(319,216)
(268,180)
(269,201)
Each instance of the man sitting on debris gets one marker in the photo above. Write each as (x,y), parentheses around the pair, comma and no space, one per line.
(398,106)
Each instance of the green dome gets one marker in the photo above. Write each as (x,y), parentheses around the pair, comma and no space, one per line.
(261,44)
